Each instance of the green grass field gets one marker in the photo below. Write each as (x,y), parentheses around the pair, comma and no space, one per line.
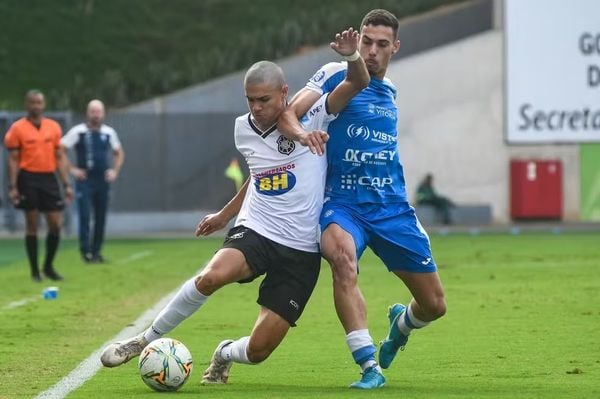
(523,321)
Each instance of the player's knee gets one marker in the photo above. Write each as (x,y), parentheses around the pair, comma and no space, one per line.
(208,283)
(343,265)
(436,309)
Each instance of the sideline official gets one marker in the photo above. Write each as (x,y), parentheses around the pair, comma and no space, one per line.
(35,156)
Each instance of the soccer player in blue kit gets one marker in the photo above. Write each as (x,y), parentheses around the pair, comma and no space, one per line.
(366,202)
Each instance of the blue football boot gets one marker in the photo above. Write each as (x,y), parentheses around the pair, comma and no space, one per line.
(395,339)
(371,379)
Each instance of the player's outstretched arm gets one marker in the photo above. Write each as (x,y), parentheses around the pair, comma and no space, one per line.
(357,76)
(217,221)
(290,127)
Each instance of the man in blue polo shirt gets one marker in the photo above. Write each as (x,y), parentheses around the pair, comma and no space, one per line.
(94,143)
(365,201)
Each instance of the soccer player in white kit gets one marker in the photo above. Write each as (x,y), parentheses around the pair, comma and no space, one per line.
(276,231)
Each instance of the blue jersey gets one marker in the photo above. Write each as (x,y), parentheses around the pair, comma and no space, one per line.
(92,148)
(362,152)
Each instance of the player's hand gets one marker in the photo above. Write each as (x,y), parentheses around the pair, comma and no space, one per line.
(315,141)
(110,175)
(78,174)
(69,194)
(211,223)
(14,196)
(345,43)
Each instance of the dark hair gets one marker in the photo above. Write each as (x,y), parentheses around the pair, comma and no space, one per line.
(381,17)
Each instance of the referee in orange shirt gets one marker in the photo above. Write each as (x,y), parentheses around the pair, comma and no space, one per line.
(35,157)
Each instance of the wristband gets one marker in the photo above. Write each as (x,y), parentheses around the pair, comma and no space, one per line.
(352,57)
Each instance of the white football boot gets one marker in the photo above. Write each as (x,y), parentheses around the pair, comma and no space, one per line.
(218,370)
(121,352)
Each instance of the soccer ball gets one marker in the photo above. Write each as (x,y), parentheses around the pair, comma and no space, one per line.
(165,364)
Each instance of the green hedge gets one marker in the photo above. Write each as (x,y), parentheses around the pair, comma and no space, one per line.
(127,50)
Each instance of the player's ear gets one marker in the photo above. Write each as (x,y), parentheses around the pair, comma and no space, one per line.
(284,91)
(396,47)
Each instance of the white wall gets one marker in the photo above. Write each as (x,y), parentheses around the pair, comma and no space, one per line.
(451,119)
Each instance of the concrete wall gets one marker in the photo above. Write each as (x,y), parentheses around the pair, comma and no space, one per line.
(451,104)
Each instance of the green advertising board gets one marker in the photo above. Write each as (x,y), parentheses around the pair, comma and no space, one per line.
(590,181)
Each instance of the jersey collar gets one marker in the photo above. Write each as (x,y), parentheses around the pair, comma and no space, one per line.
(257,130)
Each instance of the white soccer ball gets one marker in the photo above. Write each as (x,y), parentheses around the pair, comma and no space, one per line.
(165,364)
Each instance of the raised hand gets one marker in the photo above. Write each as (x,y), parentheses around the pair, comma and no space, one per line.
(345,43)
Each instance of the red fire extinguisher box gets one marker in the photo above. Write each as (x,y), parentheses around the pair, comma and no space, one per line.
(536,189)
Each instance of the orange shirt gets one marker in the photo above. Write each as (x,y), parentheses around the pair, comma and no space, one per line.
(37,146)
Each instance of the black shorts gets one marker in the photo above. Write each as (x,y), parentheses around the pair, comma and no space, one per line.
(39,191)
(291,274)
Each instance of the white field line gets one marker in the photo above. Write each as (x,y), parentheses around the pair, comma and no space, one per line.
(134,257)
(21,302)
(90,366)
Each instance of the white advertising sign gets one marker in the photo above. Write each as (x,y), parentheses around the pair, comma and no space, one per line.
(552,71)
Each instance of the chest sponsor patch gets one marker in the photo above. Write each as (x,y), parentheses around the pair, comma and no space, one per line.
(275,183)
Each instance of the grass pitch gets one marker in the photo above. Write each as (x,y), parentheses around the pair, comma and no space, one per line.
(522,322)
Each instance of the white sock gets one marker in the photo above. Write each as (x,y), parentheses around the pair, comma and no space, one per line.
(370,363)
(362,348)
(408,322)
(184,304)
(237,351)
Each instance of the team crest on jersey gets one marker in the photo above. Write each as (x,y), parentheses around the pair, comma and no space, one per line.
(285,145)
(275,183)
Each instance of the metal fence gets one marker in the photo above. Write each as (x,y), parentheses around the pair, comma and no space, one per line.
(173,162)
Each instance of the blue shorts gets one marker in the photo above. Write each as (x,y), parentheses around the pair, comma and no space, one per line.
(392,231)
